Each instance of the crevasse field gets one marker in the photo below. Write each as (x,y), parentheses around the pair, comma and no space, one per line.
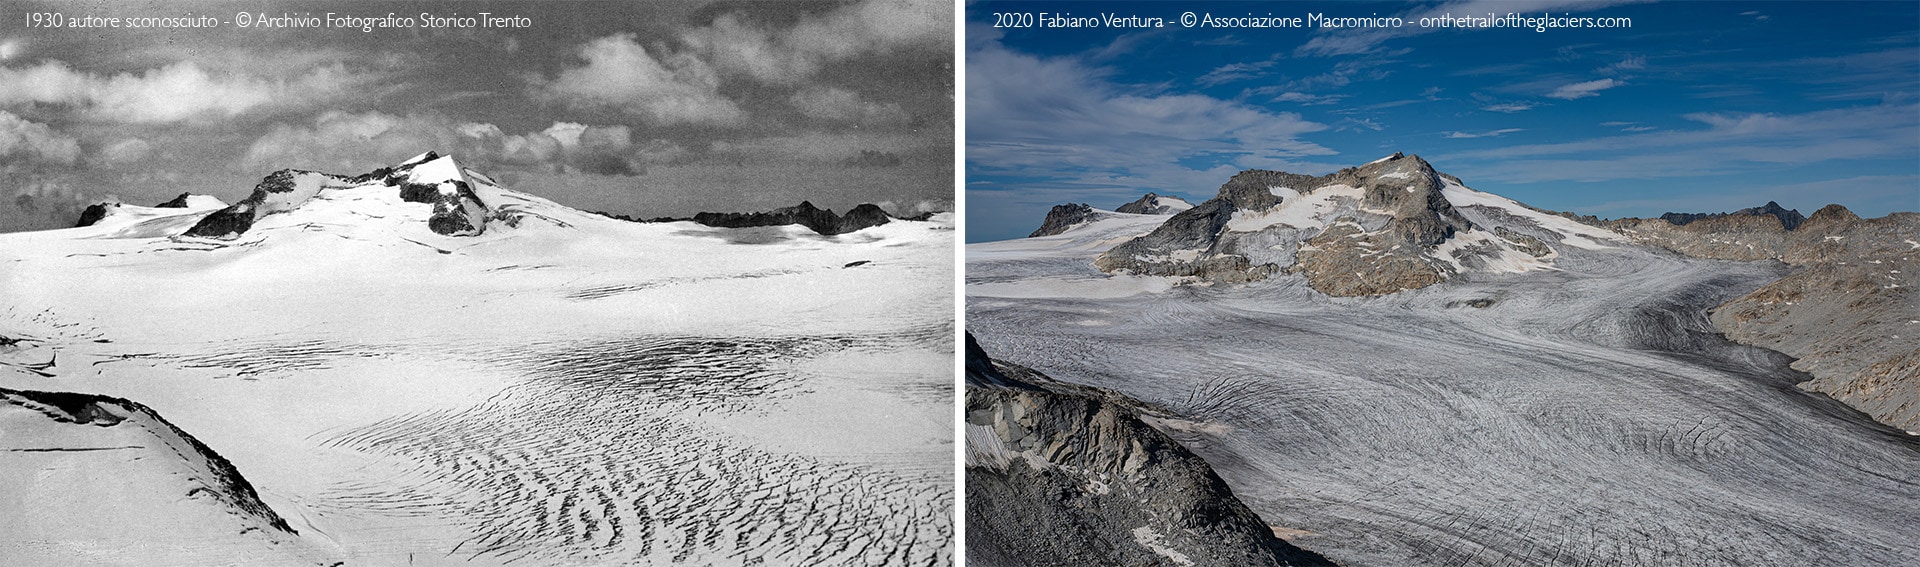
(1578,413)
(570,390)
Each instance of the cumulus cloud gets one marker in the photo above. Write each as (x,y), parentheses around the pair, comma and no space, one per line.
(348,142)
(1583,89)
(1061,120)
(793,54)
(125,151)
(172,93)
(842,105)
(660,86)
(25,140)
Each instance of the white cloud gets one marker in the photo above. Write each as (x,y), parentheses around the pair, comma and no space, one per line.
(125,151)
(1060,119)
(672,88)
(796,53)
(342,142)
(1509,107)
(25,140)
(842,105)
(172,93)
(1487,134)
(1729,143)
(1583,89)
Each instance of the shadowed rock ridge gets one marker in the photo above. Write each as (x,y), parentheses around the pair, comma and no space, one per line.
(1789,218)
(1061,474)
(819,220)
(1154,204)
(1063,217)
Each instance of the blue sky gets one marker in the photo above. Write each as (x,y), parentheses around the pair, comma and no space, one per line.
(1699,106)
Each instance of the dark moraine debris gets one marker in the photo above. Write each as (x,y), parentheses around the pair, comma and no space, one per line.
(1063,474)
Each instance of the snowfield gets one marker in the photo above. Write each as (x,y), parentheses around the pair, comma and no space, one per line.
(1578,413)
(560,389)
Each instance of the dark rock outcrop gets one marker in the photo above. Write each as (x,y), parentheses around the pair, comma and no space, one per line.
(237,218)
(179,202)
(1063,217)
(94,214)
(1061,474)
(1790,219)
(1395,214)
(1153,204)
(457,210)
(863,216)
(819,220)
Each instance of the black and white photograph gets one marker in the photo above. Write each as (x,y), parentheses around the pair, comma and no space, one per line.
(477,283)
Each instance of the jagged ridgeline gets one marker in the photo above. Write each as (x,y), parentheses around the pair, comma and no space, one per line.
(427,178)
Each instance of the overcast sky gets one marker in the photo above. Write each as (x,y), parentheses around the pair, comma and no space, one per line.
(641,108)
(1698,107)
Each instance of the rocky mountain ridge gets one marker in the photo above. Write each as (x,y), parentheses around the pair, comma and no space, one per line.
(822,221)
(1390,225)
(1154,204)
(1847,314)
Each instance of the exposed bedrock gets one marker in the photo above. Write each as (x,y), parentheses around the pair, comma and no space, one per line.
(1366,230)
(1059,474)
(1847,313)
(822,221)
(1063,217)
(1154,204)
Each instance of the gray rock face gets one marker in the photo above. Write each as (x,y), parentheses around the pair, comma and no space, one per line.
(1064,217)
(1365,230)
(822,221)
(1788,218)
(1153,204)
(1059,474)
(1845,313)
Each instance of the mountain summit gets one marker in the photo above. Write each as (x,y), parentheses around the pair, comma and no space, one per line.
(1390,225)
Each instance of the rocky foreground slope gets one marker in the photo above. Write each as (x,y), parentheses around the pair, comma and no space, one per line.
(1061,474)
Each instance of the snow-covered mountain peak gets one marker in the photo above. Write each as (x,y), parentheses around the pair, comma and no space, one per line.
(460,202)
